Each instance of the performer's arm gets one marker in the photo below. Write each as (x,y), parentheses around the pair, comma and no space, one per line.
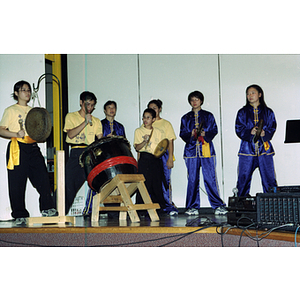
(9,134)
(170,162)
(76,130)
(241,128)
(185,133)
(139,146)
(270,127)
(210,128)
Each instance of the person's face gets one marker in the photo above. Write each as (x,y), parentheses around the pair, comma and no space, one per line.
(148,119)
(253,96)
(88,106)
(155,107)
(195,103)
(24,93)
(110,110)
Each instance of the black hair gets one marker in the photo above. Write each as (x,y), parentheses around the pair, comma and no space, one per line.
(150,111)
(84,96)
(260,91)
(196,94)
(157,102)
(18,86)
(109,102)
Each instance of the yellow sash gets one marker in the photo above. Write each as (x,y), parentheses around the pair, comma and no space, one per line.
(266,145)
(14,151)
(205,149)
(79,146)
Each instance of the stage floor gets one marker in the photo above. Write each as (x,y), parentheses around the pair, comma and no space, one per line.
(112,220)
(205,230)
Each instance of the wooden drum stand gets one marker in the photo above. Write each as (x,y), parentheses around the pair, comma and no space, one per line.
(119,190)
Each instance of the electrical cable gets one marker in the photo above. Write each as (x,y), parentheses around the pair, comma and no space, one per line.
(296,236)
(180,236)
(243,232)
(257,237)
(223,233)
(205,227)
(191,223)
(28,244)
(263,235)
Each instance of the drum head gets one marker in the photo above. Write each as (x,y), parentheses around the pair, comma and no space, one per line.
(161,148)
(38,124)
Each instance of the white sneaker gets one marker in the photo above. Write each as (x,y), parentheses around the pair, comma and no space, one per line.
(192,211)
(173,213)
(20,221)
(221,211)
(49,212)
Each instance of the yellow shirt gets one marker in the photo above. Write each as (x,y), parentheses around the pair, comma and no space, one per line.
(157,136)
(87,135)
(12,115)
(166,127)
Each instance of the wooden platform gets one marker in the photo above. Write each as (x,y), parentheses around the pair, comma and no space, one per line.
(168,231)
(123,186)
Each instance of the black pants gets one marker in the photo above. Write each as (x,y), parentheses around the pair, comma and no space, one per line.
(32,166)
(152,169)
(75,177)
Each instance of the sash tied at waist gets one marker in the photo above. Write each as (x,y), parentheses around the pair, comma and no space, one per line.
(14,151)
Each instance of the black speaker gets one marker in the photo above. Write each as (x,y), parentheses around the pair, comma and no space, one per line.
(241,211)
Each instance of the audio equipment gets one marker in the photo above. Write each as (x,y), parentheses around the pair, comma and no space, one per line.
(285,189)
(241,210)
(278,209)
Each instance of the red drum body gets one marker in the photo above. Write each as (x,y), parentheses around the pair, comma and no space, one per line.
(105,158)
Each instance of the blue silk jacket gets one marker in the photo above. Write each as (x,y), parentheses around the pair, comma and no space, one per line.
(248,117)
(194,147)
(116,126)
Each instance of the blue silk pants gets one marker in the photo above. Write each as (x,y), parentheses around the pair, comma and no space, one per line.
(166,186)
(210,182)
(246,167)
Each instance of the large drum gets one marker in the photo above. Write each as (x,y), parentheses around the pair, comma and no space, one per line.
(105,158)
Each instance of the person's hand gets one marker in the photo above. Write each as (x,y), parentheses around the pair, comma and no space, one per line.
(88,118)
(21,133)
(253,131)
(146,138)
(194,132)
(170,163)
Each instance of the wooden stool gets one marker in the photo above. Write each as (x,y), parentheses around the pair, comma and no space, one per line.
(124,186)
(61,219)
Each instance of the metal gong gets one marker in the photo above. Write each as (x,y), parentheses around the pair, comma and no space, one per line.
(38,124)
(161,148)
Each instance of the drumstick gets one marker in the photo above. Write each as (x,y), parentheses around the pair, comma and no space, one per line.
(21,125)
(149,138)
(85,105)
(259,129)
(199,129)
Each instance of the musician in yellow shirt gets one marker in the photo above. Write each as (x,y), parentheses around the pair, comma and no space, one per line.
(146,138)
(168,158)
(82,129)
(24,158)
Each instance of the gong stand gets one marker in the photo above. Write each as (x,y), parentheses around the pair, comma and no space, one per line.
(123,186)
(61,219)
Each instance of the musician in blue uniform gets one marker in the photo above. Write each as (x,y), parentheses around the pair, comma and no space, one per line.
(110,128)
(255,154)
(199,152)
(109,124)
